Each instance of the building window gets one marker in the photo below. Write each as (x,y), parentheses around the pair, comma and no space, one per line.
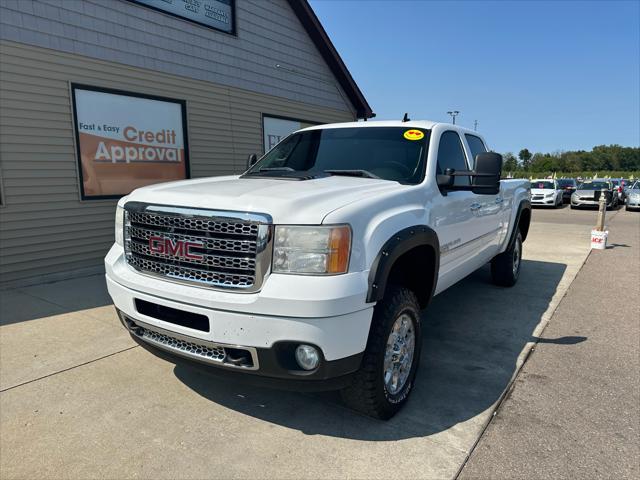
(216,14)
(275,128)
(126,140)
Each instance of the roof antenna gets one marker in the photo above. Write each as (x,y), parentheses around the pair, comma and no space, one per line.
(406,118)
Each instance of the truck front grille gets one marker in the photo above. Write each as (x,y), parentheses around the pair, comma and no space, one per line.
(208,248)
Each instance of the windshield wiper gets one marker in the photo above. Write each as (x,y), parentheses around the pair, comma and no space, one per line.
(352,173)
(276,169)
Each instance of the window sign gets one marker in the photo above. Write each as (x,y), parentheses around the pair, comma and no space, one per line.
(218,14)
(125,141)
(276,128)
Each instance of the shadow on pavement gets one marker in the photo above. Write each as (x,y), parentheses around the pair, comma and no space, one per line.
(55,298)
(473,334)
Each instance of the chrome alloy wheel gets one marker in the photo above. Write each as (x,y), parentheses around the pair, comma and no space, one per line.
(517,257)
(398,356)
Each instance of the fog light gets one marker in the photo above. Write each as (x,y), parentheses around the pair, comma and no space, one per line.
(307,357)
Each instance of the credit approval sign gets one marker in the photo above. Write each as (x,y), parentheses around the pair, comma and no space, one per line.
(125,140)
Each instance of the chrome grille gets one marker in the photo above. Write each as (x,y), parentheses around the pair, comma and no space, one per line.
(208,248)
(217,225)
(211,352)
(194,348)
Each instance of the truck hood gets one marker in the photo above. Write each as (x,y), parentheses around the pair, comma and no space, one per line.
(287,201)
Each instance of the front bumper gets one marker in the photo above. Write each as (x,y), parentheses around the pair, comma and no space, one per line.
(588,203)
(544,201)
(271,367)
(266,326)
(633,202)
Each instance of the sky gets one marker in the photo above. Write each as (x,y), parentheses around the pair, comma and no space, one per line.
(543,75)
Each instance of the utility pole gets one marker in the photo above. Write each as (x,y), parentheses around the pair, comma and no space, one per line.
(475,125)
(453,114)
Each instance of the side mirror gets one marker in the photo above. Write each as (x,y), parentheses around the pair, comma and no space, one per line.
(251,160)
(486,177)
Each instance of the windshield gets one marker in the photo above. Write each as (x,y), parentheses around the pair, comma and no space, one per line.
(389,153)
(594,186)
(566,182)
(636,186)
(542,184)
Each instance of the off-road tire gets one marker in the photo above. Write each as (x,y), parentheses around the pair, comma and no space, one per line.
(367,393)
(502,266)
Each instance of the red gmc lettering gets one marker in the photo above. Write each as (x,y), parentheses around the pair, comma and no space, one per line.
(177,248)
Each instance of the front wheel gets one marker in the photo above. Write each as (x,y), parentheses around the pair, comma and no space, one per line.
(386,376)
(505,268)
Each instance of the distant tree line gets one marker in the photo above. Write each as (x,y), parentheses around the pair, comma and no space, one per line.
(603,158)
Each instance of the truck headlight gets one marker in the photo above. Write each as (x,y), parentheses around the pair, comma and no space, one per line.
(322,250)
(119,226)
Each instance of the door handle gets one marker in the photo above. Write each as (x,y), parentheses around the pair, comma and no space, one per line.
(499,200)
(475,206)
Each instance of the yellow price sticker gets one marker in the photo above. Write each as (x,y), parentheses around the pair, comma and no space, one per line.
(414,135)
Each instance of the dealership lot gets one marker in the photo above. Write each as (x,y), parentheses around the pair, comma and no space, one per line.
(80,399)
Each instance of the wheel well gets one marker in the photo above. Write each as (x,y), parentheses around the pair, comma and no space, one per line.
(524,222)
(414,270)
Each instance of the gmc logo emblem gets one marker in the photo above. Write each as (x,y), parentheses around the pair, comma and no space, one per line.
(177,248)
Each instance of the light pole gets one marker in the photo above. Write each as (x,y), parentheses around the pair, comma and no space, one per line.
(453,114)
(475,125)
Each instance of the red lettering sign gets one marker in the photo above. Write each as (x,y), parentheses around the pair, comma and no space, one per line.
(177,248)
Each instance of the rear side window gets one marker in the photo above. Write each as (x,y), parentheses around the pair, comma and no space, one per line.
(451,155)
(476,145)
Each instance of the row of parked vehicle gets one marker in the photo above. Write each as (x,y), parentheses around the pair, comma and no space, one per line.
(586,193)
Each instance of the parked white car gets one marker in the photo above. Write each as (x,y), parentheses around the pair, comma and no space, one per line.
(314,265)
(546,192)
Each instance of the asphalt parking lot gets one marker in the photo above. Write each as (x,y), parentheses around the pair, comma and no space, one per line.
(80,399)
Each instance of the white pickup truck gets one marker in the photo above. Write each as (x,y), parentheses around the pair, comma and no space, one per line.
(312,268)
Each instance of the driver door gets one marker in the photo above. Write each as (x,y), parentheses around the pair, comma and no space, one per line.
(452,214)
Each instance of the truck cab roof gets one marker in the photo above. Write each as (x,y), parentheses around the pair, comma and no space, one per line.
(422,124)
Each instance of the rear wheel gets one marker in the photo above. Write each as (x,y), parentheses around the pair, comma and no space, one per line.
(385,379)
(505,268)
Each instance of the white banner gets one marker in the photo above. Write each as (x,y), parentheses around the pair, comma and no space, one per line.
(127,141)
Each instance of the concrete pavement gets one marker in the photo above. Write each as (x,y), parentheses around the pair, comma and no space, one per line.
(79,400)
(574,410)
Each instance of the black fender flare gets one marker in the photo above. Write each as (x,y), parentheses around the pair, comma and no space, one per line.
(524,205)
(399,244)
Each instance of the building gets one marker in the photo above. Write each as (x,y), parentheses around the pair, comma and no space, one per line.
(101,96)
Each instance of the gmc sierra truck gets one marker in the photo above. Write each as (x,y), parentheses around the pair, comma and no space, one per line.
(311,269)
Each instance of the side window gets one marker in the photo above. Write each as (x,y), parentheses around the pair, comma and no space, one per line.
(476,145)
(451,155)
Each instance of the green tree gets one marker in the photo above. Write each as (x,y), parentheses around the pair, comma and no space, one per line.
(509,162)
(525,158)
